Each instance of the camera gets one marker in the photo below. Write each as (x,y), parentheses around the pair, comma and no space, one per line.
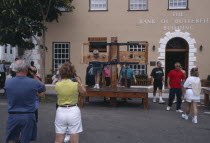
(31,72)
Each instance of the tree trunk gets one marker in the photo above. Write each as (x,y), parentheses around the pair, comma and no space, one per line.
(43,56)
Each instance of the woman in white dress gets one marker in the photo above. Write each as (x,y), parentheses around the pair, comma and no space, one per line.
(193,90)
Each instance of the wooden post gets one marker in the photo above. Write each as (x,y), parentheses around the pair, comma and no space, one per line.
(113,57)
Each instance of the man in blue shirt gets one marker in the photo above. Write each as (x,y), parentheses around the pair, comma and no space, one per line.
(127,73)
(22,92)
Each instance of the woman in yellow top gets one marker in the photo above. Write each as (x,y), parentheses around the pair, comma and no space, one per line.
(68,115)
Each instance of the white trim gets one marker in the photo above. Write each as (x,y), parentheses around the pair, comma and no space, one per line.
(185,35)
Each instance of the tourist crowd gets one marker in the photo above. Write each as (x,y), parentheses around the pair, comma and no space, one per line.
(25,88)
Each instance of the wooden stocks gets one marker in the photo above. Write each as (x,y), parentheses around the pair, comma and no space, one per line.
(113,57)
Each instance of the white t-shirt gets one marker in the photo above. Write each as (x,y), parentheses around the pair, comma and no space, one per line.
(189,92)
(12,66)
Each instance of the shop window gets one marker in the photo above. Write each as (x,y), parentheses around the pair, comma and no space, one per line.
(178,4)
(98,4)
(98,43)
(138,5)
(61,54)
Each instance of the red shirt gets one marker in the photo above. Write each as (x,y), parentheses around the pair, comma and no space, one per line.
(175,78)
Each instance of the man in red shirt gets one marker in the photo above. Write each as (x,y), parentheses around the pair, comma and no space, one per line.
(175,78)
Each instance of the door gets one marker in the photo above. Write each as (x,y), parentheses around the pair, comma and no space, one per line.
(177,50)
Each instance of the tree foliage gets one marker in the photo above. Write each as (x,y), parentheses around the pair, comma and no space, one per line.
(20,20)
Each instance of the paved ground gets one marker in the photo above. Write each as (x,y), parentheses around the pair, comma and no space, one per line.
(128,123)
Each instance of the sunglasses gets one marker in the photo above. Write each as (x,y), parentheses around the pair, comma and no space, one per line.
(178,66)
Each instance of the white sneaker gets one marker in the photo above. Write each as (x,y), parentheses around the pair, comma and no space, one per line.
(185,116)
(180,111)
(194,120)
(67,139)
(161,101)
(97,86)
(154,100)
(174,101)
(168,108)
(183,101)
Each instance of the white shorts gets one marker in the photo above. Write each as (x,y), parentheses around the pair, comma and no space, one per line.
(193,100)
(68,118)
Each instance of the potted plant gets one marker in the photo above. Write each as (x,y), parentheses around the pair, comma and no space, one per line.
(49,78)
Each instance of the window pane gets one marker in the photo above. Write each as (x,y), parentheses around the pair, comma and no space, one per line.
(61,54)
(98,5)
(138,4)
(177,4)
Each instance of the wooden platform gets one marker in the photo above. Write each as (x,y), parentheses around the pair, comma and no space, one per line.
(206,91)
(120,92)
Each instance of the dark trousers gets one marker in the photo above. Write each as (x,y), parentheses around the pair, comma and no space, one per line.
(128,82)
(3,78)
(13,73)
(107,81)
(178,93)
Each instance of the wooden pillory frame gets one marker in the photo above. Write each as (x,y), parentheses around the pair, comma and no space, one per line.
(113,57)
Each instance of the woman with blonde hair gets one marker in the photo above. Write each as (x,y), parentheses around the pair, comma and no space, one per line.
(193,90)
(68,116)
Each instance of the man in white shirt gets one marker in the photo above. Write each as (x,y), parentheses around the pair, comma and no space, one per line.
(12,68)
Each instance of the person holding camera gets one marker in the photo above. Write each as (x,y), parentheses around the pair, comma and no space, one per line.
(32,73)
(21,93)
(68,116)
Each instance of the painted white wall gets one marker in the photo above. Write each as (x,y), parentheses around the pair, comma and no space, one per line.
(8,57)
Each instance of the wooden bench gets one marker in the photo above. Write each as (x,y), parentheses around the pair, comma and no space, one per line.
(120,92)
(206,91)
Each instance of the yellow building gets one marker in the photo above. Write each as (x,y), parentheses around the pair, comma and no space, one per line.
(176,30)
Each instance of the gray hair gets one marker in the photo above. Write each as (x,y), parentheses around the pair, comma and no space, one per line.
(176,63)
(20,65)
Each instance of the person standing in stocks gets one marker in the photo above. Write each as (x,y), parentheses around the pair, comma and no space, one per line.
(175,78)
(193,90)
(107,74)
(157,75)
(68,116)
(21,92)
(127,73)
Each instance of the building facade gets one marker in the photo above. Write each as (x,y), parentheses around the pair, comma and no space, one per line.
(8,53)
(175,30)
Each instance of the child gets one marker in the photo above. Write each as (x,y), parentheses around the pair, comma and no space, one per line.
(193,90)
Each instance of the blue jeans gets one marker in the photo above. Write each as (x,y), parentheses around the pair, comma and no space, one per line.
(178,93)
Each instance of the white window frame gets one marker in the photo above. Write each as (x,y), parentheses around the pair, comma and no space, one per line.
(138,69)
(98,5)
(138,5)
(178,4)
(60,49)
